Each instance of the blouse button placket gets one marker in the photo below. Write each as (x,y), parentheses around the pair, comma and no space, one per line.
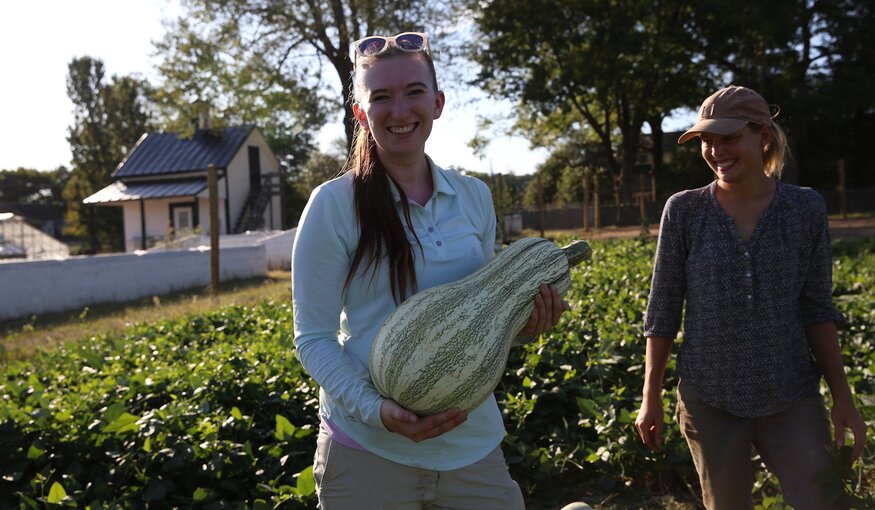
(748,278)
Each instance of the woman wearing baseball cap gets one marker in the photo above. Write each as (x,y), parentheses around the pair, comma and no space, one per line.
(746,261)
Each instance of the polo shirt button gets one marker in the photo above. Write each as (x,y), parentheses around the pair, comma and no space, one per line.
(431,229)
(749,297)
(439,243)
(747,274)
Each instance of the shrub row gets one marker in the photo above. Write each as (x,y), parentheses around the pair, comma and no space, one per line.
(214,411)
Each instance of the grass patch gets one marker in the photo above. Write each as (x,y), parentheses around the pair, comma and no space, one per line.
(607,232)
(21,338)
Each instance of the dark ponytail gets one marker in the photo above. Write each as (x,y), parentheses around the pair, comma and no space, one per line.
(380,225)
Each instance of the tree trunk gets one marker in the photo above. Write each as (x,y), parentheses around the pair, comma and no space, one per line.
(656,149)
(587,223)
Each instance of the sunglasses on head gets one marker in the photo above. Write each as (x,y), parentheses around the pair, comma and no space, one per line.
(410,42)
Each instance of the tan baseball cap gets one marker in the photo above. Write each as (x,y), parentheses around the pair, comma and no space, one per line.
(728,110)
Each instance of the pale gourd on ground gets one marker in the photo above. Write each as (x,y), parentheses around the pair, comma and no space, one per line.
(447,346)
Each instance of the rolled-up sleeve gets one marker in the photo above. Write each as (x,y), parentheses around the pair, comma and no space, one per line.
(668,284)
(816,297)
(320,263)
(489,221)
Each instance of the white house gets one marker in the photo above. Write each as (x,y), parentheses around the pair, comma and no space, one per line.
(162,185)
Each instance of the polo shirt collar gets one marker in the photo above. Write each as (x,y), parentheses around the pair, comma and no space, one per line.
(441,184)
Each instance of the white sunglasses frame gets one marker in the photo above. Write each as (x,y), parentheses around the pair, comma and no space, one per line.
(390,41)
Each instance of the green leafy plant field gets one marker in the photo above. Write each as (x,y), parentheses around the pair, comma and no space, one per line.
(571,398)
(213,410)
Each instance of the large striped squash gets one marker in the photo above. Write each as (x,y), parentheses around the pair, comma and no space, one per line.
(447,346)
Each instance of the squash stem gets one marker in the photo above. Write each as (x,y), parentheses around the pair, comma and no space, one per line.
(577,252)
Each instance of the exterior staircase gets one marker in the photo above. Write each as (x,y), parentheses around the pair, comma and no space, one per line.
(252,215)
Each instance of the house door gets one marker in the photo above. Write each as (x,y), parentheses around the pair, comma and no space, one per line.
(254,169)
(183,220)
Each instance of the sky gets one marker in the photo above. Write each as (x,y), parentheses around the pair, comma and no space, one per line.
(39,38)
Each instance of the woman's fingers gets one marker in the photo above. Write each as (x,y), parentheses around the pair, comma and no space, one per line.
(547,311)
(546,295)
(402,421)
(435,425)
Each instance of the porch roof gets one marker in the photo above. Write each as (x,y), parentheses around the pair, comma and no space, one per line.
(123,192)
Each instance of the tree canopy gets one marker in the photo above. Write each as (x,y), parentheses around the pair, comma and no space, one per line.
(29,186)
(590,79)
(108,118)
(282,58)
(609,67)
(603,66)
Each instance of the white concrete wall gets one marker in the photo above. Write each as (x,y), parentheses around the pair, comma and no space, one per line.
(38,287)
(277,243)
(279,250)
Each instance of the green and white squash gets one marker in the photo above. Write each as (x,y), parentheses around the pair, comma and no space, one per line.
(447,346)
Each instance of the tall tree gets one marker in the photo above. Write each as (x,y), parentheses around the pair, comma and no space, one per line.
(209,73)
(605,65)
(108,118)
(287,45)
(28,186)
(810,57)
(849,125)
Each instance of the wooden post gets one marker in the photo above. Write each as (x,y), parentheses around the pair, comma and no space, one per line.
(143,225)
(502,209)
(213,185)
(587,223)
(541,203)
(843,204)
(597,206)
(642,197)
(92,229)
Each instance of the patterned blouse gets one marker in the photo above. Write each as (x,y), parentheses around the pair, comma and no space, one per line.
(746,304)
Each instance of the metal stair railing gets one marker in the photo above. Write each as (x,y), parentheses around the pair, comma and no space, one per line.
(252,215)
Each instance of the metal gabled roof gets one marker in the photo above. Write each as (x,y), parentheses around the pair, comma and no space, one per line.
(167,153)
(144,190)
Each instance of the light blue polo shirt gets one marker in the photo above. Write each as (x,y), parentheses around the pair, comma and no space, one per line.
(334,330)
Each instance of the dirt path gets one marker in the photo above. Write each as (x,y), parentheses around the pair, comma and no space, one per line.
(849,228)
(853,228)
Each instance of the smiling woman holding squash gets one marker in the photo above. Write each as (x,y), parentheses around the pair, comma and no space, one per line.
(393,224)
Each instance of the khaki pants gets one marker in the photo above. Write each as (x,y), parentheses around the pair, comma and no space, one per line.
(793,444)
(349,479)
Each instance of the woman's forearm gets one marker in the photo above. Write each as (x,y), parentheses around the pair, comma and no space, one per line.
(824,341)
(658,351)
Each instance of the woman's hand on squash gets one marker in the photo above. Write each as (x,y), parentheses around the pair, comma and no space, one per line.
(548,308)
(405,422)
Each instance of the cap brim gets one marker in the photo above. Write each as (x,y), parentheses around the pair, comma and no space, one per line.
(722,126)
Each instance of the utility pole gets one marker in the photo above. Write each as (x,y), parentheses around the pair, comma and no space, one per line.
(213,185)
(541,203)
(586,213)
(843,203)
